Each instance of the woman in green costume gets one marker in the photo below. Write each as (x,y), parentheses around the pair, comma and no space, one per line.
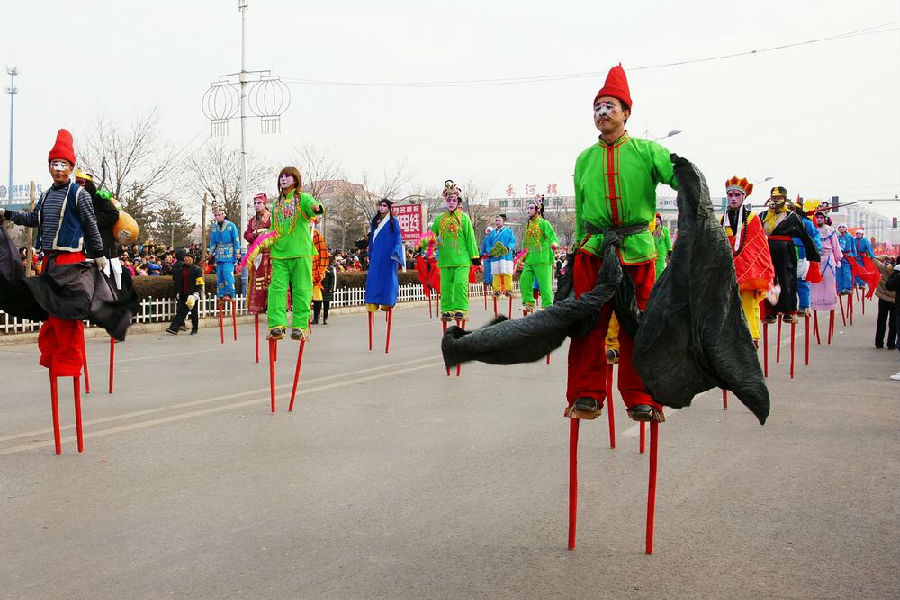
(457,252)
(539,243)
(292,255)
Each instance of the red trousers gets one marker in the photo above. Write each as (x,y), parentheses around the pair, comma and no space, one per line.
(587,354)
(61,341)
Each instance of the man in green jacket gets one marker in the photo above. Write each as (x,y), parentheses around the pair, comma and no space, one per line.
(457,252)
(615,189)
(539,242)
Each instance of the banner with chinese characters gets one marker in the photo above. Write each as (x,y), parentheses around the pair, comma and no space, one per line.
(410,218)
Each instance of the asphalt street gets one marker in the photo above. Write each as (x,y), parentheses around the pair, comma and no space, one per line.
(391,480)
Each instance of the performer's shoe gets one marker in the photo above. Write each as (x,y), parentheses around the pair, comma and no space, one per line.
(182,328)
(314,322)
(507,294)
(806,312)
(495,294)
(324,321)
(584,408)
(171,331)
(789,318)
(891,347)
(459,315)
(299,334)
(770,319)
(371,307)
(612,357)
(193,332)
(386,308)
(527,309)
(646,413)
(276,333)
(446,316)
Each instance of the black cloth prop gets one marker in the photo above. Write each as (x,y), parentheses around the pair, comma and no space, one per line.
(77,291)
(692,337)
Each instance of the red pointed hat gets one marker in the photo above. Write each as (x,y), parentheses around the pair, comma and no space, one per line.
(616,86)
(63,148)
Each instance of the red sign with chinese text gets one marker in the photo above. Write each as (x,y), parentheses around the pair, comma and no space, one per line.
(410,218)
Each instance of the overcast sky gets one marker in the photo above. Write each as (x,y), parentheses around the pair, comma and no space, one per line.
(822,118)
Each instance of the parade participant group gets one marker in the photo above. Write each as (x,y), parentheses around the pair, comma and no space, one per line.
(787,262)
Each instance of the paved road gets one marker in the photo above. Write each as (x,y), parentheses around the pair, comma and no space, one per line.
(391,480)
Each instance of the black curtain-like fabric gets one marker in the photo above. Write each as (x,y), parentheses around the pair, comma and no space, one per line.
(692,337)
(77,291)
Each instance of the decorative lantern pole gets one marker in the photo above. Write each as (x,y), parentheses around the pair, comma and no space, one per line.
(268,98)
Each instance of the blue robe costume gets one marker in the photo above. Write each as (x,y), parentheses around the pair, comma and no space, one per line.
(802,284)
(486,259)
(844,276)
(225,243)
(861,247)
(385,253)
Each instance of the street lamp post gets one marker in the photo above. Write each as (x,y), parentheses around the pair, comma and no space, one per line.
(12,90)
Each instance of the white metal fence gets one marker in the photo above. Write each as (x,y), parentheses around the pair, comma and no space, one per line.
(161,310)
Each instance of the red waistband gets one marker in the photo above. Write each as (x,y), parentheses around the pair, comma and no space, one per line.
(781,238)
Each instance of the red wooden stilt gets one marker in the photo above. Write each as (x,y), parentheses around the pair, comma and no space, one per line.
(256,330)
(862,301)
(724,399)
(843,316)
(830,325)
(54,411)
(79,431)
(816,328)
(428,297)
(444,325)
(273,349)
(112,362)
(221,324)
(276,353)
(573,480)
(484,293)
(642,442)
(461,324)
(793,331)
(297,374)
(806,340)
(510,306)
(765,349)
(87,375)
(778,344)
(387,339)
(651,493)
(610,406)
(850,308)
(234,317)
(548,359)
(371,324)
(495,307)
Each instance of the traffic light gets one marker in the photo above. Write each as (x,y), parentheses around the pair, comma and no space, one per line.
(835,203)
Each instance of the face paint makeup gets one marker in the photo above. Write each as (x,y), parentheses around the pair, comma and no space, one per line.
(286,181)
(604,109)
(59,165)
(452,202)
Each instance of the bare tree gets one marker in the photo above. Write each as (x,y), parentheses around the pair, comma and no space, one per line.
(318,171)
(216,170)
(133,164)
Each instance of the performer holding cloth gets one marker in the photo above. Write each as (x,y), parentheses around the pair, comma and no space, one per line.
(615,194)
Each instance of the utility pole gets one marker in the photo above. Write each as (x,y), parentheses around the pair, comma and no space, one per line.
(259,93)
(12,90)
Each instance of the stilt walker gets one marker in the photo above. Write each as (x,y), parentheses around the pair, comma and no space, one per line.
(292,252)
(260,270)
(752,261)
(501,243)
(487,275)
(386,255)
(324,277)
(225,245)
(539,243)
(824,292)
(783,226)
(67,227)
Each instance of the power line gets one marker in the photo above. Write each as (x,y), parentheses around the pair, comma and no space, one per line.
(529,79)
